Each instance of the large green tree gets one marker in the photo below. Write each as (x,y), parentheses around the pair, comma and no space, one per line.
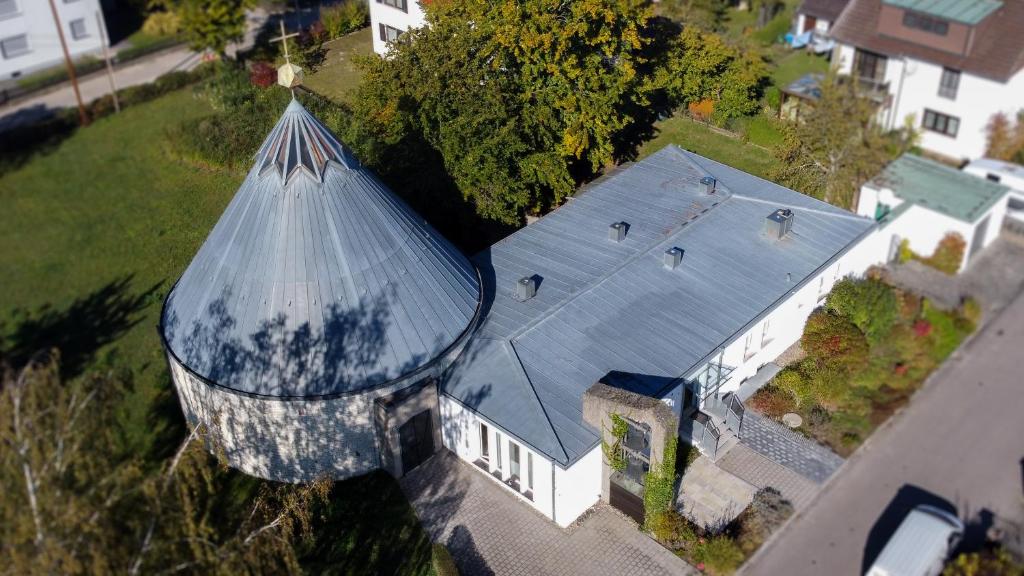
(514,95)
(837,146)
(211,24)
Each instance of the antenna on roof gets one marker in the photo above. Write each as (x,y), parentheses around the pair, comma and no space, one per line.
(288,75)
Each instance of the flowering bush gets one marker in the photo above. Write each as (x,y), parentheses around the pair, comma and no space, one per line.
(262,75)
(922,328)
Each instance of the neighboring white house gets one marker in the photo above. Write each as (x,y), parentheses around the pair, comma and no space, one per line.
(390,18)
(949,65)
(818,16)
(920,201)
(1007,174)
(28,34)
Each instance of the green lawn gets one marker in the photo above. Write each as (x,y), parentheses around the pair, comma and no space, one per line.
(92,236)
(795,64)
(703,140)
(338,75)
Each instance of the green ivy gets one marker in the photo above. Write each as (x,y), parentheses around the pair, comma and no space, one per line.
(660,486)
(613,451)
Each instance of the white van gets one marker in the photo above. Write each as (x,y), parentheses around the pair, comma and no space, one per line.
(920,545)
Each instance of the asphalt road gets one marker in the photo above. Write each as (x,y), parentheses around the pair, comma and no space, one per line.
(961,440)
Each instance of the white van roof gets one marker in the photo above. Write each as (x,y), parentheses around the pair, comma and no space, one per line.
(921,542)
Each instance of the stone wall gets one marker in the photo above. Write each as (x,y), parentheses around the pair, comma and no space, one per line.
(600,401)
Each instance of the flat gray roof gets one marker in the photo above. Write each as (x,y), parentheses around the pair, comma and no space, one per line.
(604,306)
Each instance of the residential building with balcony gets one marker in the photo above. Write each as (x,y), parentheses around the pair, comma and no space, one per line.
(948,65)
(28,34)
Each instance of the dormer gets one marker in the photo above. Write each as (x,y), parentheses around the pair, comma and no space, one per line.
(947,25)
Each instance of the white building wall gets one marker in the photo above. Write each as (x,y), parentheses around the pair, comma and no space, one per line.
(281,440)
(460,429)
(34,19)
(1008,173)
(383,14)
(914,87)
(578,487)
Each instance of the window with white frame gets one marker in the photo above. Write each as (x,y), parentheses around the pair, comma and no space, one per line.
(821,289)
(78,30)
(402,5)
(513,460)
(529,471)
(748,346)
(8,8)
(941,123)
(766,333)
(14,46)
(389,33)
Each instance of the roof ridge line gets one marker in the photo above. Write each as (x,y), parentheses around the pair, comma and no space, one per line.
(536,397)
(847,215)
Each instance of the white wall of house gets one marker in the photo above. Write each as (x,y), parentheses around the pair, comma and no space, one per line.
(578,487)
(1005,173)
(28,34)
(914,87)
(460,429)
(392,14)
(924,228)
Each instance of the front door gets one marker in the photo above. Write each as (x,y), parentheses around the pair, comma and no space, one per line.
(417,440)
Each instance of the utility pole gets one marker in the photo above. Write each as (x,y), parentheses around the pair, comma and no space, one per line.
(104,39)
(83,118)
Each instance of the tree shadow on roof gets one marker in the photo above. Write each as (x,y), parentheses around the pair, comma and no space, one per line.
(78,331)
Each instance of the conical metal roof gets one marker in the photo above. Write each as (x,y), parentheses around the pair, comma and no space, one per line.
(317,280)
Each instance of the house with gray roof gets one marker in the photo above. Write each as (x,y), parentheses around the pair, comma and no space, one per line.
(324,328)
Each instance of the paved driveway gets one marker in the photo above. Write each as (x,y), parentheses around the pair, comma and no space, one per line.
(961,439)
(490,532)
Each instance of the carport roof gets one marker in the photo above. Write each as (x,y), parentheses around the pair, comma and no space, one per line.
(940,188)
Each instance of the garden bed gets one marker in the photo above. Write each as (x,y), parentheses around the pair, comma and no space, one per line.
(868,350)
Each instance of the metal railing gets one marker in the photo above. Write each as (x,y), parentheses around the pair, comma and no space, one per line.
(734,411)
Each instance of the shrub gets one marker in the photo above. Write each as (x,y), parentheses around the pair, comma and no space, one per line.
(719,554)
(905,254)
(673,530)
(870,304)
(947,331)
(792,381)
(773,98)
(162,24)
(262,75)
(834,341)
(766,513)
(971,311)
(948,255)
(984,563)
(702,110)
(773,401)
(909,304)
(442,561)
(345,17)
(922,328)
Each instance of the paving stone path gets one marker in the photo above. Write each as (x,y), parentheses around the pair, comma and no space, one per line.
(749,465)
(489,531)
(790,449)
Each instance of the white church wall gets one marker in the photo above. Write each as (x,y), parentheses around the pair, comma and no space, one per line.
(461,431)
(288,441)
(578,487)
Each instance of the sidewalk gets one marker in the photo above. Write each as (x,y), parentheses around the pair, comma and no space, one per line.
(140,71)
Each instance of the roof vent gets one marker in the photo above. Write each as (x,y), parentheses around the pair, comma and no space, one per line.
(617,232)
(526,288)
(779,223)
(672,258)
(708,184)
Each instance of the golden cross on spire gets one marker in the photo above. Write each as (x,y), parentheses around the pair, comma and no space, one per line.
(288,75)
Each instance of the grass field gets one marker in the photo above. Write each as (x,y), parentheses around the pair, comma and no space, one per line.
(705,141)
(338,75)
(92,236)
(795,64)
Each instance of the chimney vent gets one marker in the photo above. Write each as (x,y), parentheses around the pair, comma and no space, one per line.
(672,258)
(526,288)
(617,232)
(779,223)
(708,184)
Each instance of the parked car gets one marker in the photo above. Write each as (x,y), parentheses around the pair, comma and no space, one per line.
(921,544)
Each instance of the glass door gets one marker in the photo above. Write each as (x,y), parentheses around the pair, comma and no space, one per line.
(485,452)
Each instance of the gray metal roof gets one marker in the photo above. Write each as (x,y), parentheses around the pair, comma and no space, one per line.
(317,280)
(603,306)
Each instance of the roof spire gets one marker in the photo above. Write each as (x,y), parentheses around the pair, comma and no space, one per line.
(288,75)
